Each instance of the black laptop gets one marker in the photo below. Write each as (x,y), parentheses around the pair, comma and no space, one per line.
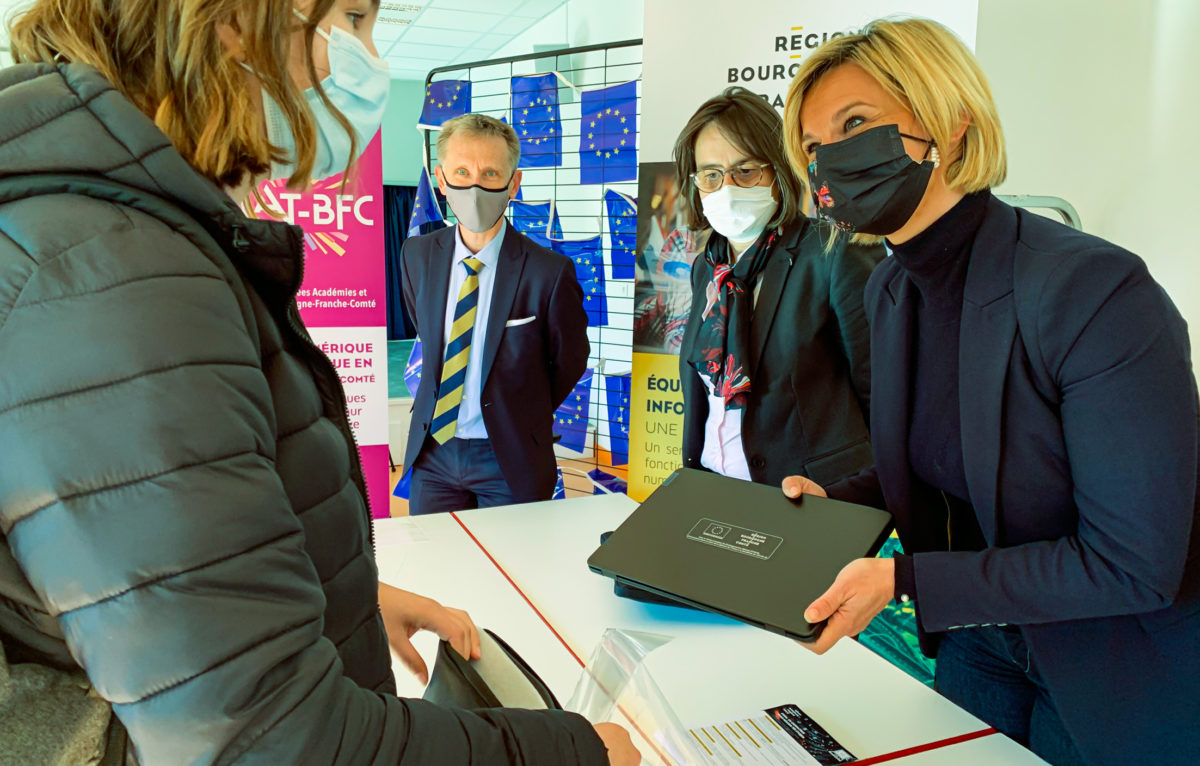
(740,549)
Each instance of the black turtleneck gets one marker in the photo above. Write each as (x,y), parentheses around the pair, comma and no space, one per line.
(936,261)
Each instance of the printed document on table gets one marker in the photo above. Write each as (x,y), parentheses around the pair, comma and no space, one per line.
(780,736)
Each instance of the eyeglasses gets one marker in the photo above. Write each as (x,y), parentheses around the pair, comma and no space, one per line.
(746,175)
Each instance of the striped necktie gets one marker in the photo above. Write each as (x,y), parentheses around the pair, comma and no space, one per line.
(458,353)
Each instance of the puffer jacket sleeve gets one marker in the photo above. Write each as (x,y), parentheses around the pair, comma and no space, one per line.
(139,496)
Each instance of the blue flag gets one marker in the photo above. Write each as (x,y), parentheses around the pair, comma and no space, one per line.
(622,232)
(595,302)
(560,492)
(588,255)
(571,418)
(614,484)
(445,99)
(404,486)
(535,118)
(412,370)
(536,221)
(608,134)
(425,207)
(616,394)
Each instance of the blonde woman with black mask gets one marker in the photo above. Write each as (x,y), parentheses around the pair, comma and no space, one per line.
(1034,419)
(181,502)
(775,362)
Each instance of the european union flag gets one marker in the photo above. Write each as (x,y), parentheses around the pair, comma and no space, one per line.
(571,418)
(616,395)
(595,302)
(412,370)
(588,255)
(560,492)
(608,134)
(445,99)
(425,207)
(622,232)
(536,220)
(535,118)
(606,481)
(404,487)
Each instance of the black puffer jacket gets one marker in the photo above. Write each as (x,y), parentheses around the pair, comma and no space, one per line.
(181,507)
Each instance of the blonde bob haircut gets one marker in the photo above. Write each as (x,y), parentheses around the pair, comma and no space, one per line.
(166,57)
(927,69)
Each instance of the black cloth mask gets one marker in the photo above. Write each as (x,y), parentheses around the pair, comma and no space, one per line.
(868,183)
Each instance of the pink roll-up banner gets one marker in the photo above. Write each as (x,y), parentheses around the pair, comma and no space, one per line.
(342,296)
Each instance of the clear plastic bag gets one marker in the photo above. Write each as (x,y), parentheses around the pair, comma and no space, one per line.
(617,687)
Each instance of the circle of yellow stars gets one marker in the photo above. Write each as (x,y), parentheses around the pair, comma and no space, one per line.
(550,117)
(434,100)
(591,136)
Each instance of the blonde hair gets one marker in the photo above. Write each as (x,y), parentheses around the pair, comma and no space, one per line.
(167,58)
(474,124)
(925,67)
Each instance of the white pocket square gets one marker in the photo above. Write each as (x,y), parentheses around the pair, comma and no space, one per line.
(519,322)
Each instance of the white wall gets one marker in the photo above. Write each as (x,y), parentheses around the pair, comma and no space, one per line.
(581,22)
(1100,104)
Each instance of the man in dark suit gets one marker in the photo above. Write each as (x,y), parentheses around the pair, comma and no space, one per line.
(503,321)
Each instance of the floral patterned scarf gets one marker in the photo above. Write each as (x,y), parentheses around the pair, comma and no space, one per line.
(722,350)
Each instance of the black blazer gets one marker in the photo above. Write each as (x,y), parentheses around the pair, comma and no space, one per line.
(807,411)
(528,370)
(1080,428)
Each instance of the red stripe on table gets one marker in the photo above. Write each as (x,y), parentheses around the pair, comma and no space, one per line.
(925,748)
(517,588)
(558,635)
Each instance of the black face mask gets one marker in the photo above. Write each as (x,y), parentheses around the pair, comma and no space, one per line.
(868,183)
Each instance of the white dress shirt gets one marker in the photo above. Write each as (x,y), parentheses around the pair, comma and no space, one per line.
(723,452)
(470,415)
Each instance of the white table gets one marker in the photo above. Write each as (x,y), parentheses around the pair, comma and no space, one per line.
(537,584)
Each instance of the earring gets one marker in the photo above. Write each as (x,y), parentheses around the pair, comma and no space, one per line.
(935,156)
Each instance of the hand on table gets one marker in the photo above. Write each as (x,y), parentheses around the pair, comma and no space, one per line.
(405,613)
(621,751)
(861,590)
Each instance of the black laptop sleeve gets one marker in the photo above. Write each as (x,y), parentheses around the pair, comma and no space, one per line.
(458,682)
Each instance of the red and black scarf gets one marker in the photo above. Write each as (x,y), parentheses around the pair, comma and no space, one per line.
(722,350)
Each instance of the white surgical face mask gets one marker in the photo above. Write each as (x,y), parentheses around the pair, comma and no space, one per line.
(358,85)
(739,214)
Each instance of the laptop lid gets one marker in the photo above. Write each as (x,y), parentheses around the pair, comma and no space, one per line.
(740,549)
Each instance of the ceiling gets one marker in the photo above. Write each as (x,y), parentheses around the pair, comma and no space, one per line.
(418,35)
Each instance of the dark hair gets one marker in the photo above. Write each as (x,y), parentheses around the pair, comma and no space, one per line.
(750,124)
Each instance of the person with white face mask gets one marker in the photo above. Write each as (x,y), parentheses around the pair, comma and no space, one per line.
(209,578)
(507,318)
(774,360)
(357,85)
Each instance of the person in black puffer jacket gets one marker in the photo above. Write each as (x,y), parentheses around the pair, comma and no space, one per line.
(182,510)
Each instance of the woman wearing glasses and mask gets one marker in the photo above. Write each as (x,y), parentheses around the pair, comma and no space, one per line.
(186,567)
(1034,419)
(775,359)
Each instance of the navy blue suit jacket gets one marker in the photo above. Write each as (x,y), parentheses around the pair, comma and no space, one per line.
(1080,428)
(528,370)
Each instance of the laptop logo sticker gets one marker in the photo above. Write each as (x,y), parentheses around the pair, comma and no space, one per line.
(731,537)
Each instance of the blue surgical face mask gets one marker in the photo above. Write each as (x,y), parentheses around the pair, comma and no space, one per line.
(358,85)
